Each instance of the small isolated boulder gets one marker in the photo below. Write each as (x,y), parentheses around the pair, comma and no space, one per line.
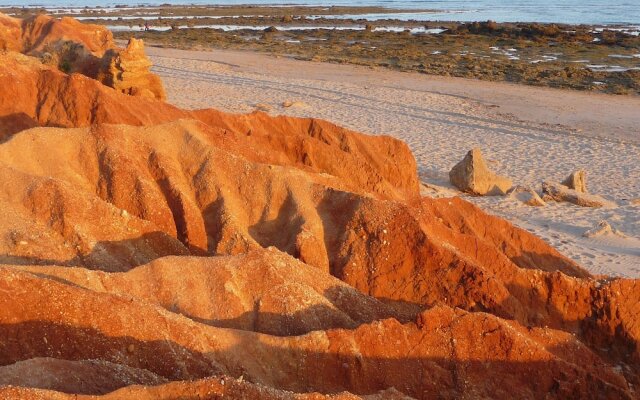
(601,229)
(472,175)
(577,181)
(526,195)
(558,192)
(289,103)
(263,107)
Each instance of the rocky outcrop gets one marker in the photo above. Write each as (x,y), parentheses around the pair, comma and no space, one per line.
(89,376)
(46,96)
(577,181)
(128,72)
(472,175)
(383,242)
(119,329)
(63,43)
(557,192)
(42,34)
(74,47)
(332,154)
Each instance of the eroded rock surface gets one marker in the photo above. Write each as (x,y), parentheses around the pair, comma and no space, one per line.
(128,72)
(536,361)
(209,388)
(73,47)
(208,254)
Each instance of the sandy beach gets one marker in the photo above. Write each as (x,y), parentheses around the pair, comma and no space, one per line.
(528,134)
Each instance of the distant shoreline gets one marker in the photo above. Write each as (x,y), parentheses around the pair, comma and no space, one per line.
(216,10)
(574,12)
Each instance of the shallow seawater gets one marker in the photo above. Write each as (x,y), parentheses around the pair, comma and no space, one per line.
(560,11)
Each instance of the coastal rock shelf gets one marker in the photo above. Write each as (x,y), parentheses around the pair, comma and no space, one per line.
(148,251)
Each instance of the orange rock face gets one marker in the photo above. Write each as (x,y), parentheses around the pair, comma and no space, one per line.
(10,33)
(90,50)
(153,252)
(42,33)
(209,388)
(445,353)
(48,97)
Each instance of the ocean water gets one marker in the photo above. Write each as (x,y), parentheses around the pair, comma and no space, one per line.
(605,12)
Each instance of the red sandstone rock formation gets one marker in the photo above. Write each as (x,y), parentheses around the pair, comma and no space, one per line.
(327,272)
(209,388)
(90,50)
(128,72)
(288,299)
(42,32)
(38,95)
(63,43)
(444,354)
(10,33)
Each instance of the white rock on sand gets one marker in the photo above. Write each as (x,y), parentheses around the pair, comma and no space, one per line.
(440,119)
(601,229)
(577,181)
(289,103)
(527,196)
(558,192)
(472,175)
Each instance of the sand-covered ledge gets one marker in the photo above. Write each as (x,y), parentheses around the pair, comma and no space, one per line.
(528,134)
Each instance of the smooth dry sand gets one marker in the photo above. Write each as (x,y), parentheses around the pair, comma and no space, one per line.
(529,134)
